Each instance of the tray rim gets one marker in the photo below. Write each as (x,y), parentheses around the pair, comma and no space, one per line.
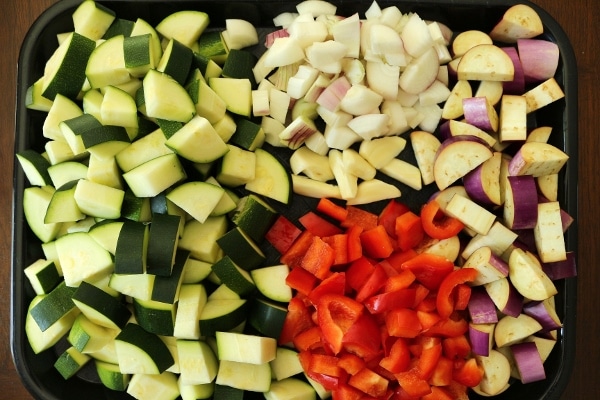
(570,187)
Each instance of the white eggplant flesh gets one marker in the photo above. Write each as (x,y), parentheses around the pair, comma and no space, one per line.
(307,162)
(471,214)
(519,21)
(489,266)
(425,146)
(379,152)
(457,158)
(528,277)
(466,40)
(372,191)
(305,186)
(543,94)
(548,233)
(496,373)
(510,330)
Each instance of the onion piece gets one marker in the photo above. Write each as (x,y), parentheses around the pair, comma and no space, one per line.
(481,307)
(528,362)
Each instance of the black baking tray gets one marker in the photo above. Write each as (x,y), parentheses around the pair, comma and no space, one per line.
(37,372)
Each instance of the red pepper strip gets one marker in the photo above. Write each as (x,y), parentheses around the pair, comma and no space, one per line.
(376,242)
(442,374)
(380,303)
(438,393)
(358,272)
(428,303)
(445,299)
(413,384)
(403,322)
(301,280)
(358,216)
(297,319)
(422,294)
(463,294)
(325,364)
(347,392)
(456,348)
(318,258)
(398,257)
(448,328)
(354,246)
(430,355)
(398,359)
(438,225)
(428,319)
(399,281)
(409,230)
(308,339)
(429,269)
(334,283)
(369,382)
(282,234)
(388,268)
(469,373)
(331,209)
(372,285)
(351,363)
(458,391)
(339,244)
(317,225)
(387,216)
(336,314)
(294,254)
(363,338)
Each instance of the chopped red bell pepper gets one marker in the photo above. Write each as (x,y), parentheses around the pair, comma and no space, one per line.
(318,225)
(398,257)
(282,234)
(334,283)
(469,373)
(354,245)
(398,359)
(357,216)
(409,230)
(448,327)
(445,297)
(430,355)
(456,347)
(387,216)
(372,285)
(358,272)
(336,314)
(351,363)
(295,253)
(428,319)
(318,258)
(402,280)
(463,294)
(325,364)
(438,393)
(347,392)
(437,224)
(376,242)
(383,302)
(369,382)
(297,319)
(308,339)
(339,244)
(301,280)
(363,337)
(331,209)
(442,374)
(403,322)
(413,384)
(429,269)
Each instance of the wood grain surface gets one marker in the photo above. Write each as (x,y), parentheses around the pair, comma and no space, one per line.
(577,18)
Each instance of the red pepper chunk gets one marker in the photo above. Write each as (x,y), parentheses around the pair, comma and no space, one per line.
(398,359)
(301,280)
(430,355)
(409,230)
(429,269)
(387,216)
(438,225)
(438,393)
(339,244)
(403,322)
(354,245)
(469,373)
(297,320)
(334,283)
(376,242)
(364,337)
(442,374)
(383,302)
(413,384)
(445,301)
(282,234)
(369,382)
(318,258)
(331,209)
(360,217)
(296,251)
(336,314)
(318,225)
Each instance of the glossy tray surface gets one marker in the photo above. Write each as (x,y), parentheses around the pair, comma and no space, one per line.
(37,371)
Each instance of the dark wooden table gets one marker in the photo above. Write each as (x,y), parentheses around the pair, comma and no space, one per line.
(577,17)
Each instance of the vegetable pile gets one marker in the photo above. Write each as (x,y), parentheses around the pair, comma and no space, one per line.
(173,154)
